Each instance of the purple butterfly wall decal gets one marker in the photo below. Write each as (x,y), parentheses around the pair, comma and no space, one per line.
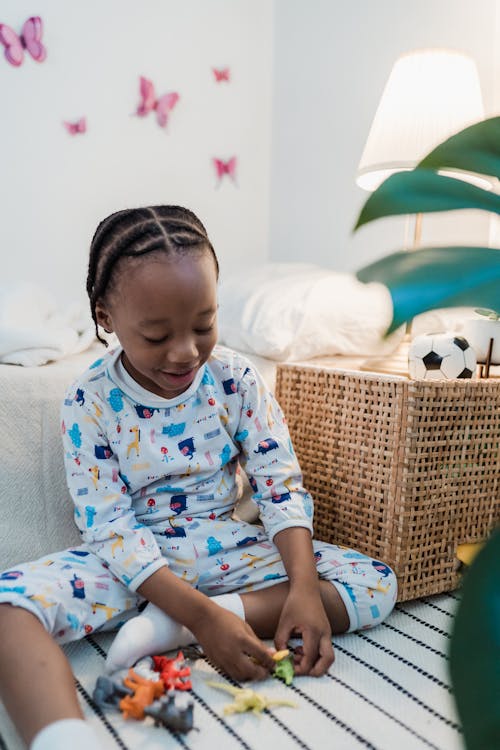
(30,39)
(162,105)
(223,168)
(221,74)
(76,128)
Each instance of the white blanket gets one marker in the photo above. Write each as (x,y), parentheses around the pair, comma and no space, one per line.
(36,511)
(33,331)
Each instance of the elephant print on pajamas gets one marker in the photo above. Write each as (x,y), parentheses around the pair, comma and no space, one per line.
(102,451)
(186,447)
(283,498)
(145,412)
(229,386)
(178,503)
(264,446)
(78,587)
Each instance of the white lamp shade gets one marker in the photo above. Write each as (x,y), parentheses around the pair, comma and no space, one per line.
(430,95)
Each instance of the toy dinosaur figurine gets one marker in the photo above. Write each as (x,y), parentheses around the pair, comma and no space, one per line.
(284,669)
(144,693)
(467,552)
(173,672)
(166,713)
(108,692)
(248,700)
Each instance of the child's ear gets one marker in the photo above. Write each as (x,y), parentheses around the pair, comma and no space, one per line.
(103,317)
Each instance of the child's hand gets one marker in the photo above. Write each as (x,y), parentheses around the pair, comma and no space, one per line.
(231,645)
(303,614)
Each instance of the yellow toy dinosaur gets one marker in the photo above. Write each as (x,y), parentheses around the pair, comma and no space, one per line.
(246,699)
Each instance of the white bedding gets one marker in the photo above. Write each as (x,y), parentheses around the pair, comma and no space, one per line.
(34,331)
(296,311)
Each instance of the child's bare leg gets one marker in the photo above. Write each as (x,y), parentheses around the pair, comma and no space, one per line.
(36,682)
(263,608)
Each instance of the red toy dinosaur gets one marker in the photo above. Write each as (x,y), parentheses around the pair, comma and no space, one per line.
(173,672)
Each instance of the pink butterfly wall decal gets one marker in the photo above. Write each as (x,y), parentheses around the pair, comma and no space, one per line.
(162,106)
(223,168)
(30,39)
(221,74)
(75,128)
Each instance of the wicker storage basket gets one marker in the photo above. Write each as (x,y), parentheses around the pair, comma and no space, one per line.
(401,470)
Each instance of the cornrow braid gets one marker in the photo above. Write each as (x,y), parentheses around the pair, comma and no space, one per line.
(134,232)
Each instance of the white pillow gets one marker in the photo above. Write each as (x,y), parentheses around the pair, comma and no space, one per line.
(295,311)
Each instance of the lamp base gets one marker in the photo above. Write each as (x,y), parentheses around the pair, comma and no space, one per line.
(395,364)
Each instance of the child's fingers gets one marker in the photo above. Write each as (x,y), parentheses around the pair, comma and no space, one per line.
(262,656)
(280,641)
(326,658)
(317,655)
(250,666)
(283,635)
(309,655)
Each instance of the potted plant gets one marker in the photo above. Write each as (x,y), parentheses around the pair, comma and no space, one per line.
(437,277)
(482,332)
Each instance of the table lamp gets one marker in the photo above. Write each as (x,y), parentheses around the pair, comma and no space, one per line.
(430,95)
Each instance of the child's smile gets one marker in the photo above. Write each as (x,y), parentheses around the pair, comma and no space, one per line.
(179,379)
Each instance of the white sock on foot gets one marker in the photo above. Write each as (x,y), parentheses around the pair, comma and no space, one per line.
(231,602)
(153,632)
(73,733)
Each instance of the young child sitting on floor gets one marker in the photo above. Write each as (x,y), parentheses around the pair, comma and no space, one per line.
(153,435)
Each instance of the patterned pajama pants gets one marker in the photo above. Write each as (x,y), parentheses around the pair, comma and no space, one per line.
(74,594)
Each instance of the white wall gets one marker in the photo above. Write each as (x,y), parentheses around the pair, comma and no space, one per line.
(332,59)
(307,77)
(54,188)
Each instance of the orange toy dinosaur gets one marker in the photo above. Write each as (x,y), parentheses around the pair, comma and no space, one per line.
(145,692)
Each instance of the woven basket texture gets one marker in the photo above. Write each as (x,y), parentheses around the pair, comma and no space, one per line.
(402,470)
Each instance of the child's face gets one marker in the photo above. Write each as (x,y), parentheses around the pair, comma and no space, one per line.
(164,312)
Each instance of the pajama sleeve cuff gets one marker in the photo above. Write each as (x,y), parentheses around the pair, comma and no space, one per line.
(288,524)
(146,573)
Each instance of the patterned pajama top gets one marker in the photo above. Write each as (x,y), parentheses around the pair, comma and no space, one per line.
(154,479)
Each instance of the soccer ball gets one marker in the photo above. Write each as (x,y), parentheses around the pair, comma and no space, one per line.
(441,356)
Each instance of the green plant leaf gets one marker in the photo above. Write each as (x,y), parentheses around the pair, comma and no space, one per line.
(491,314)
(474,149)
(475,650)
(422,191)
(435,277)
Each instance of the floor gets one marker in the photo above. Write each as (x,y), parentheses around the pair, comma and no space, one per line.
(389,689)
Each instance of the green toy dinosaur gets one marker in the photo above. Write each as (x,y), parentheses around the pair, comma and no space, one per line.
(284,669)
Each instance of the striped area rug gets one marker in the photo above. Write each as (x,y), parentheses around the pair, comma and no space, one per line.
(389,689)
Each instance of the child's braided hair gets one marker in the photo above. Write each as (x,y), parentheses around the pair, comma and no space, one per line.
(134,232)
